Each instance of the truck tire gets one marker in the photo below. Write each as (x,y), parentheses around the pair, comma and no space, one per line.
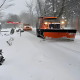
(37,33)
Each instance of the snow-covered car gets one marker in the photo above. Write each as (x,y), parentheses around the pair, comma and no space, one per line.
(27,28)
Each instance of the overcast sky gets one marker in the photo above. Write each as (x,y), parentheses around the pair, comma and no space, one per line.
(18,7)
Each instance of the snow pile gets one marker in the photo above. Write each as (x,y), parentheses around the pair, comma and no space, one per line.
(7,29)
(77,37)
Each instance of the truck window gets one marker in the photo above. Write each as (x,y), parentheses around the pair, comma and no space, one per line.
(51,20)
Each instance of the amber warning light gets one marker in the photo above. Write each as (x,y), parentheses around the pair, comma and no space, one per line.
(10,22)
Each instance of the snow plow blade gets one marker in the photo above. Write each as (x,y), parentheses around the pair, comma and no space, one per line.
(59,33)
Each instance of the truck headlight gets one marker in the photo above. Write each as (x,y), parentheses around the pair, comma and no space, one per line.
(62,22)
(45,23)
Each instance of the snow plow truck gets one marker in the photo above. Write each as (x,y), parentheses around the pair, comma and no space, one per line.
(27,27)
(51,27)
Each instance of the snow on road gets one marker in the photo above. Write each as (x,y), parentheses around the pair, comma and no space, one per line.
(31,58)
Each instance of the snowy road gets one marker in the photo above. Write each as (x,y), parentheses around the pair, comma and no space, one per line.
(31,58)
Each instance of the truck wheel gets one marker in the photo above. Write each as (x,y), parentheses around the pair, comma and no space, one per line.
(0,64)
(42,35)
(37,33)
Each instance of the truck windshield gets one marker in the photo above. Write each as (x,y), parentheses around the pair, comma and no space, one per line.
(51,20)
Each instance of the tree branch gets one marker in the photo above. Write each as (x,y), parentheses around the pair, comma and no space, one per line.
(7,7)
(27,5)
(2,3)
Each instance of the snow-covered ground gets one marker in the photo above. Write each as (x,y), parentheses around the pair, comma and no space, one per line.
(31,58)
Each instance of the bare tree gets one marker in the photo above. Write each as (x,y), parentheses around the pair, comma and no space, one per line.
(54,7)
(24,17)
(41,7)
(62,8)
(31,9)
(3,6)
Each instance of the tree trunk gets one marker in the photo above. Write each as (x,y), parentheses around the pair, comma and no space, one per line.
(61,11)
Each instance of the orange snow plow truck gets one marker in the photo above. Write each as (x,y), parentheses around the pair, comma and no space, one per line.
(51,27)
(27,27)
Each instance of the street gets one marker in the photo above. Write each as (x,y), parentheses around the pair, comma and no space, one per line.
(31,58)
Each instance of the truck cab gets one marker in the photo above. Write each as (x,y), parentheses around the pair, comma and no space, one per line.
(47,23)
